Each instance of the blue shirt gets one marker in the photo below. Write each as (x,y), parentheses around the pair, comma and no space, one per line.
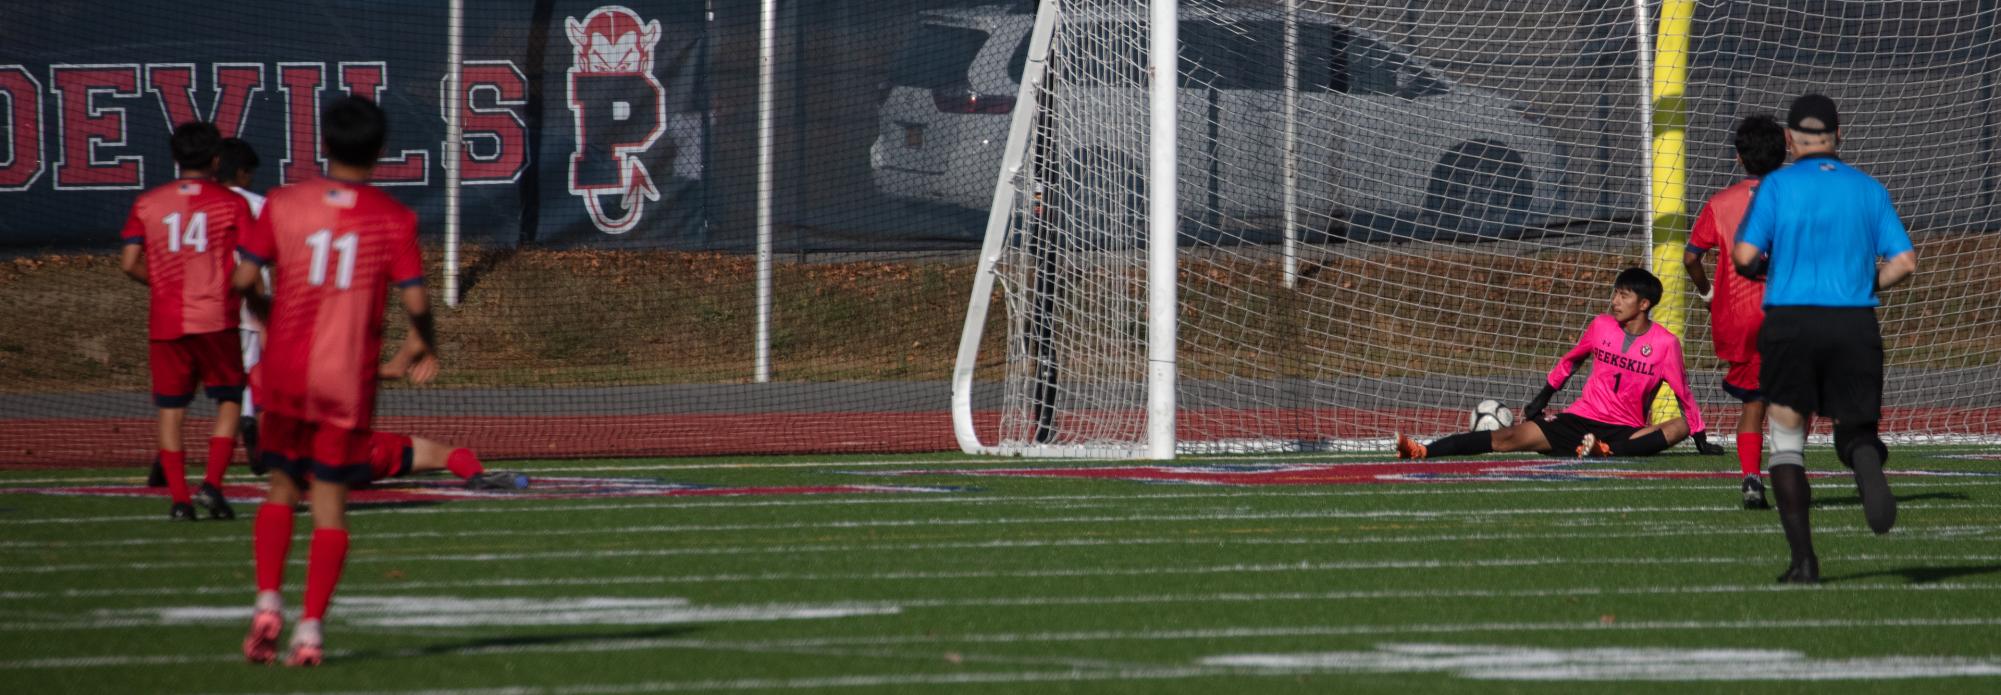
(1824,223)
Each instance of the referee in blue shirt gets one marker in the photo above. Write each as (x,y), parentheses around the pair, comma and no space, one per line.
(1816,230)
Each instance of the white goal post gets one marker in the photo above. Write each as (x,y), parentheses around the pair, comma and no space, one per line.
(1327,223)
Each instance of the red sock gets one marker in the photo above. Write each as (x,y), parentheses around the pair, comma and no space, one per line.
(1750,447)
(323,566)
(464,464)
(271,541)
(174,464)
(220,450)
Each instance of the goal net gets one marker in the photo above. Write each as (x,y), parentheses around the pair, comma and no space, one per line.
(1391,211)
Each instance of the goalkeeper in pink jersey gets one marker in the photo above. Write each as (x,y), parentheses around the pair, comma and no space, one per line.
(1631,357)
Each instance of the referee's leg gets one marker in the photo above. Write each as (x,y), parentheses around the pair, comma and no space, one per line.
(1853,397)
(1790,382)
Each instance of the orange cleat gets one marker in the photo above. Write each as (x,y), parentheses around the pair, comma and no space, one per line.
(1593,447)
(1408,448)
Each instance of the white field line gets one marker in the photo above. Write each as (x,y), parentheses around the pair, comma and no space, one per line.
(923,575)
(1206,493)
(1096,520)
(1016,638)
(1951,533)
(1582,518)
(239,613)
(1209,493)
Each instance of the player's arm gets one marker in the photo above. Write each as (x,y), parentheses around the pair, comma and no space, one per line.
(1752,253)
(249,283)
(1700,241)
(407,269)
(1896,270)
(1893,242)
(255,249)
(133,260)
(1676,376)
(422,341)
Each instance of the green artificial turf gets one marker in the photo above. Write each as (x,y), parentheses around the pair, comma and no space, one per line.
(1539,583)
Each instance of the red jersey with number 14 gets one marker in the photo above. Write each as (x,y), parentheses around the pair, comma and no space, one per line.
(189,228)
(334,249)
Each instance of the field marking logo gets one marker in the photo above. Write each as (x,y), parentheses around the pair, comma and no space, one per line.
(620,110)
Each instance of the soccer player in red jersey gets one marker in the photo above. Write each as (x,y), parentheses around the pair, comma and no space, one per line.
(335,247)
(1737,305)
(179,242)
(397,455)
(1632,357)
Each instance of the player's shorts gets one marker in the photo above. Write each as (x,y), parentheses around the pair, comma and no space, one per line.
(1565,432)
(213,359)
(311,450)
(1741,380)
(389,456)
(1825,360)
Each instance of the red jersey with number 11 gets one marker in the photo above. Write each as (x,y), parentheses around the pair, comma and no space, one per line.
(334,249)
(189,228)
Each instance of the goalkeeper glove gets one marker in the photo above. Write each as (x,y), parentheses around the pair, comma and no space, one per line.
(1533,411)
(1702,445)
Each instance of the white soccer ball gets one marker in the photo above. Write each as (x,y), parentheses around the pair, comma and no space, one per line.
(1490,415)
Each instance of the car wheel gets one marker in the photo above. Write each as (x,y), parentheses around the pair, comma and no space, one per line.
(1480,188)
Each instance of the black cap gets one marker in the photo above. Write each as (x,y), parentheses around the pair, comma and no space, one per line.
(1813,113)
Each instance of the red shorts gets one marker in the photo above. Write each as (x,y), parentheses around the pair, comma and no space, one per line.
(214,359)
(389,455)
(1741,380)
(305,449)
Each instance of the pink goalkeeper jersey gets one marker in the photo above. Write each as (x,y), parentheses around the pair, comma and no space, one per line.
(1626,372)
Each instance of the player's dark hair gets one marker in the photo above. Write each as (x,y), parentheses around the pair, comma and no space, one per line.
(195,144)
(1761,143)
(1640,282)
(354,130)
(237,155)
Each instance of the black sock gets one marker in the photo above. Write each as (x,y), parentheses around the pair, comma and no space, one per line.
(1651,443)
(1462,444)
(1794,498)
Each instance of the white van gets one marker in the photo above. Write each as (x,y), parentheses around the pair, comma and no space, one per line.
(1381,135)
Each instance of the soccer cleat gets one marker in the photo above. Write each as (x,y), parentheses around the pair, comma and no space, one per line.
(1592,447)
(497,480)
(181,511)
(1408,448)
(261,645)
(306,647)
(212,500)
(1754,493)
(1878,505)
(1807,572)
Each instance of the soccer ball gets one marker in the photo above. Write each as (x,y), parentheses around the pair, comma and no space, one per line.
(1490,415)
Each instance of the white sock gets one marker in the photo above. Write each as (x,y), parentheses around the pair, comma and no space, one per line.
(270,601)
(307,632)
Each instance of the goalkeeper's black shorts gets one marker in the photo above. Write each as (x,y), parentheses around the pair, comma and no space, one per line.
(1565,432)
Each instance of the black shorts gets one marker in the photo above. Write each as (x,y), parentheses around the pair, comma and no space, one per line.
(1823,360)
(1565,432)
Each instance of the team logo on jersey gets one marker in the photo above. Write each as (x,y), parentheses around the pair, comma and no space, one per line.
(620,110)
(1646,351)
